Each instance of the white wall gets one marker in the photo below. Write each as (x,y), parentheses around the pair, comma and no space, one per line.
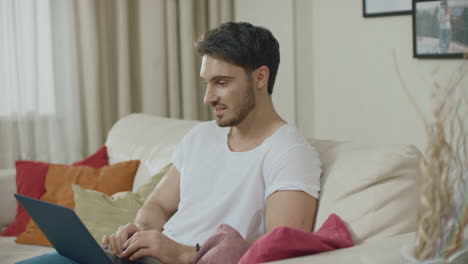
(277,16)
(337,78)
(357,93)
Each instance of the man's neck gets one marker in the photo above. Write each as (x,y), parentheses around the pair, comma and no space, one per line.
(260,124)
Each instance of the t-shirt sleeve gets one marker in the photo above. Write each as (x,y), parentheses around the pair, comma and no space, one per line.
(180,152)
(296,170)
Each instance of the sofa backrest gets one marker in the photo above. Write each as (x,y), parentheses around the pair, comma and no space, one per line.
(150,139)
(372,188)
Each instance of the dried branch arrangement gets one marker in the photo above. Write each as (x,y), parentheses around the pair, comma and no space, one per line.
(444,197)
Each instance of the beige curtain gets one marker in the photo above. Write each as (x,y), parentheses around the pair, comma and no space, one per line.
(138,56)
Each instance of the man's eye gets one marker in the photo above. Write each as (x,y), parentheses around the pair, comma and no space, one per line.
(222,83)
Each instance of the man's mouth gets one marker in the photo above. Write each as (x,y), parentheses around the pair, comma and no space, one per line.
(219,110)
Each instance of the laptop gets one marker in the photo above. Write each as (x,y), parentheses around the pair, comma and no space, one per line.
(68,234)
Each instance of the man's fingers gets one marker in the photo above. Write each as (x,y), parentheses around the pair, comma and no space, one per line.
(121,238)
(132,247)
(140,253)
(125,245)
(105,241)
(112,244)
(117,240)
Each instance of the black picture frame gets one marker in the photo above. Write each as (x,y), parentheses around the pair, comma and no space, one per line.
(394,8)
(429,27)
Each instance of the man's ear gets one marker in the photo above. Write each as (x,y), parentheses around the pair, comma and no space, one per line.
(262,75)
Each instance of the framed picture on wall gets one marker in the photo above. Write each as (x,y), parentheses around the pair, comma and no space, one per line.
(374,8)
(440,28)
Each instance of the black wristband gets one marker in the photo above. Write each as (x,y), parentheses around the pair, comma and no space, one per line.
(197,247)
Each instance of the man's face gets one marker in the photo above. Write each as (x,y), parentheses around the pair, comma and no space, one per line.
(229,91)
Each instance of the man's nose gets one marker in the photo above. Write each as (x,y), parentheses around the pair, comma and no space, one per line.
(210,95)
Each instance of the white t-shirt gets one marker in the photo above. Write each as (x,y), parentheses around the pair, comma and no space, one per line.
(218,186)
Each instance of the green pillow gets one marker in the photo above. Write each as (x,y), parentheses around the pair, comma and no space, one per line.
(103,214)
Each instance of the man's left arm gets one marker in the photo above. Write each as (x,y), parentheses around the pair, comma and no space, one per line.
(290,208)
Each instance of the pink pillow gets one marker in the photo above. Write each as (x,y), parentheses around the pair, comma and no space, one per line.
(227,246)
(30,179)
(287,242)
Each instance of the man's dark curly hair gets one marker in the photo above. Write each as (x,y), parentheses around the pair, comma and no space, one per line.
(244,45)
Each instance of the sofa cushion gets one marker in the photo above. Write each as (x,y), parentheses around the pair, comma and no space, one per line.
(30,178)
(59,180)
(150,139)
(103,214)
(374,189)
(8,202)
(10,252)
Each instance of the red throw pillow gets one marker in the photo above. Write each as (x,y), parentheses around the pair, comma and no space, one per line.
(30,181)
(227,246)
(287,242)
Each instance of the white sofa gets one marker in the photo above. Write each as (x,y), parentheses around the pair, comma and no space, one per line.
(373,189)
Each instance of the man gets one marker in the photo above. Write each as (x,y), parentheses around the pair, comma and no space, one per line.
(443,17)
(249,169)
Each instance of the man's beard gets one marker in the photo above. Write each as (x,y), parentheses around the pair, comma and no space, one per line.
(243,110)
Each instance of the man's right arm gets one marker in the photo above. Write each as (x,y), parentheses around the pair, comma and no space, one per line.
(161,204)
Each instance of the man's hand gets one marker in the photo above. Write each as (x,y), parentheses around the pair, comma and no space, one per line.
(116,241)
(154,244)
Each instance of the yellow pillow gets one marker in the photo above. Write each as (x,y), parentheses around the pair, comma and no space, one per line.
(103,214)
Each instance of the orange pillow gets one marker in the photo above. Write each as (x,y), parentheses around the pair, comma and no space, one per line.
(58,185)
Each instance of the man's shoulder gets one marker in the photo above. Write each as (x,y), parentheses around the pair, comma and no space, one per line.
(287,137)
(289,148)
(289,141)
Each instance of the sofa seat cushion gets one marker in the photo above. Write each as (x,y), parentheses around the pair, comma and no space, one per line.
(10,252)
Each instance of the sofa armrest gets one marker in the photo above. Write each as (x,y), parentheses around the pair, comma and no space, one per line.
(382,251)
(7,200)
